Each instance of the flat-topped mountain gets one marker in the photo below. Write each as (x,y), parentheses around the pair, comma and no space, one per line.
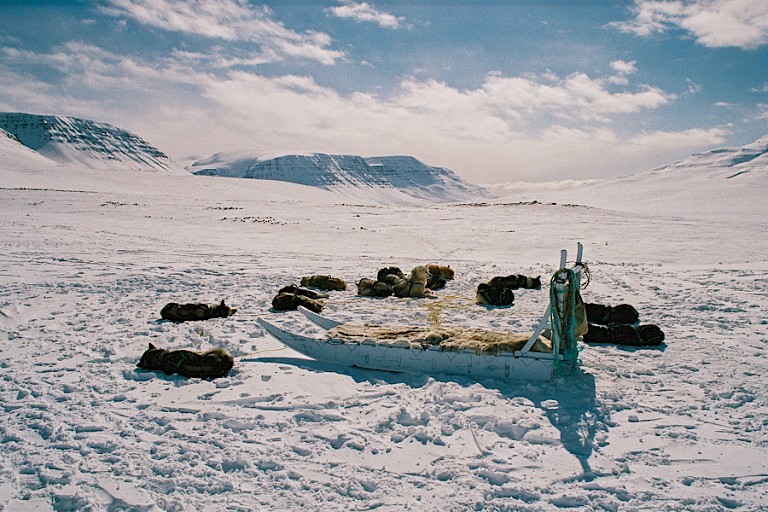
(85,143)
(390,178)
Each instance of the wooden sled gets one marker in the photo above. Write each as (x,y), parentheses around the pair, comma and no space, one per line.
(527,362)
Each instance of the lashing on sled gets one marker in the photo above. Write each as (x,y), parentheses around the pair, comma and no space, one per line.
(479,353)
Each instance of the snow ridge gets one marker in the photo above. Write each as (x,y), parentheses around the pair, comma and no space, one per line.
(402,179)
(86,143)
(751,157)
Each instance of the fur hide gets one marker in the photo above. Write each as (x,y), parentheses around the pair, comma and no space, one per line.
(184,312)
(212,364)
(448,339)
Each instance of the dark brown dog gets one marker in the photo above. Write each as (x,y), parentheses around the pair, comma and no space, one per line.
(490,295)
(516,281)
(604,315)
(370,288)
(383,273)
(625,334)
(184,312)
(291,301)
(212,364)
(292,288)
(326,283)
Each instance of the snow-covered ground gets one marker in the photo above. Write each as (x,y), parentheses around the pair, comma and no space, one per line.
(88,259)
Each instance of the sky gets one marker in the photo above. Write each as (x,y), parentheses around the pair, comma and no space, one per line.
(497,91)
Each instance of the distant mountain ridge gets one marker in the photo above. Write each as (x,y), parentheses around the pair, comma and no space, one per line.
(396,178)
(82,142)
(747,158)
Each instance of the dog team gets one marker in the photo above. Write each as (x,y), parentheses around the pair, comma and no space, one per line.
(606,324)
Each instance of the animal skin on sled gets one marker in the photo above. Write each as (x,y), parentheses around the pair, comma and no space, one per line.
(480,341)
(211,364)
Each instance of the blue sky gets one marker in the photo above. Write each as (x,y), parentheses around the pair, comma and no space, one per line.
(496,91)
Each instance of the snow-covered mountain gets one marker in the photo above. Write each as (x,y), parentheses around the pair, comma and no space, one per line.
(394,179)
(751,158)
(712,184)
(18,156)
(85,143)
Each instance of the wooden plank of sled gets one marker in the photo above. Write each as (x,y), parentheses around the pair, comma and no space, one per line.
(403,359)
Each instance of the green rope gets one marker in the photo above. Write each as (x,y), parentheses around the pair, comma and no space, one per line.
(564,322)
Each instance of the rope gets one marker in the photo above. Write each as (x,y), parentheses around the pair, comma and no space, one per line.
(262,351)
(564,321)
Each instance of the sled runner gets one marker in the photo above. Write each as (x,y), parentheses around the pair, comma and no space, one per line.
(470,352)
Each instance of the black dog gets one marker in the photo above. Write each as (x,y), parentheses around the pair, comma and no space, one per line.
(516,281)
(604,315)
(184,312)
(625,334)
(212,364)
(490,295)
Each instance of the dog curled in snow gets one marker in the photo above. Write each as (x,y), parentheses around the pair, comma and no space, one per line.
(290,301)
(184,312)
(440,275)
(494,295)
(647,335)
(516,281)
(603,315)
(446,272)
(211,364)
(415,285)
(327,283)
(370,288)
(292,288)
(385,273)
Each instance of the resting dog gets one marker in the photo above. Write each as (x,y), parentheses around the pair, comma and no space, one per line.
(490,295)
(439,276)
(370,288)
(290,301)
(212,364)
(516,281)
(183,312)
(415,285)
(647,335)
(604,315)
(326,283)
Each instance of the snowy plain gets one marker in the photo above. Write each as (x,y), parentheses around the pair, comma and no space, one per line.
(88,258)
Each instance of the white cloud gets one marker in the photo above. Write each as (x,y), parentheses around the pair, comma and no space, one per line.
(713,23)
(510,127)
(624,67)
(365,12)
(229,20)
